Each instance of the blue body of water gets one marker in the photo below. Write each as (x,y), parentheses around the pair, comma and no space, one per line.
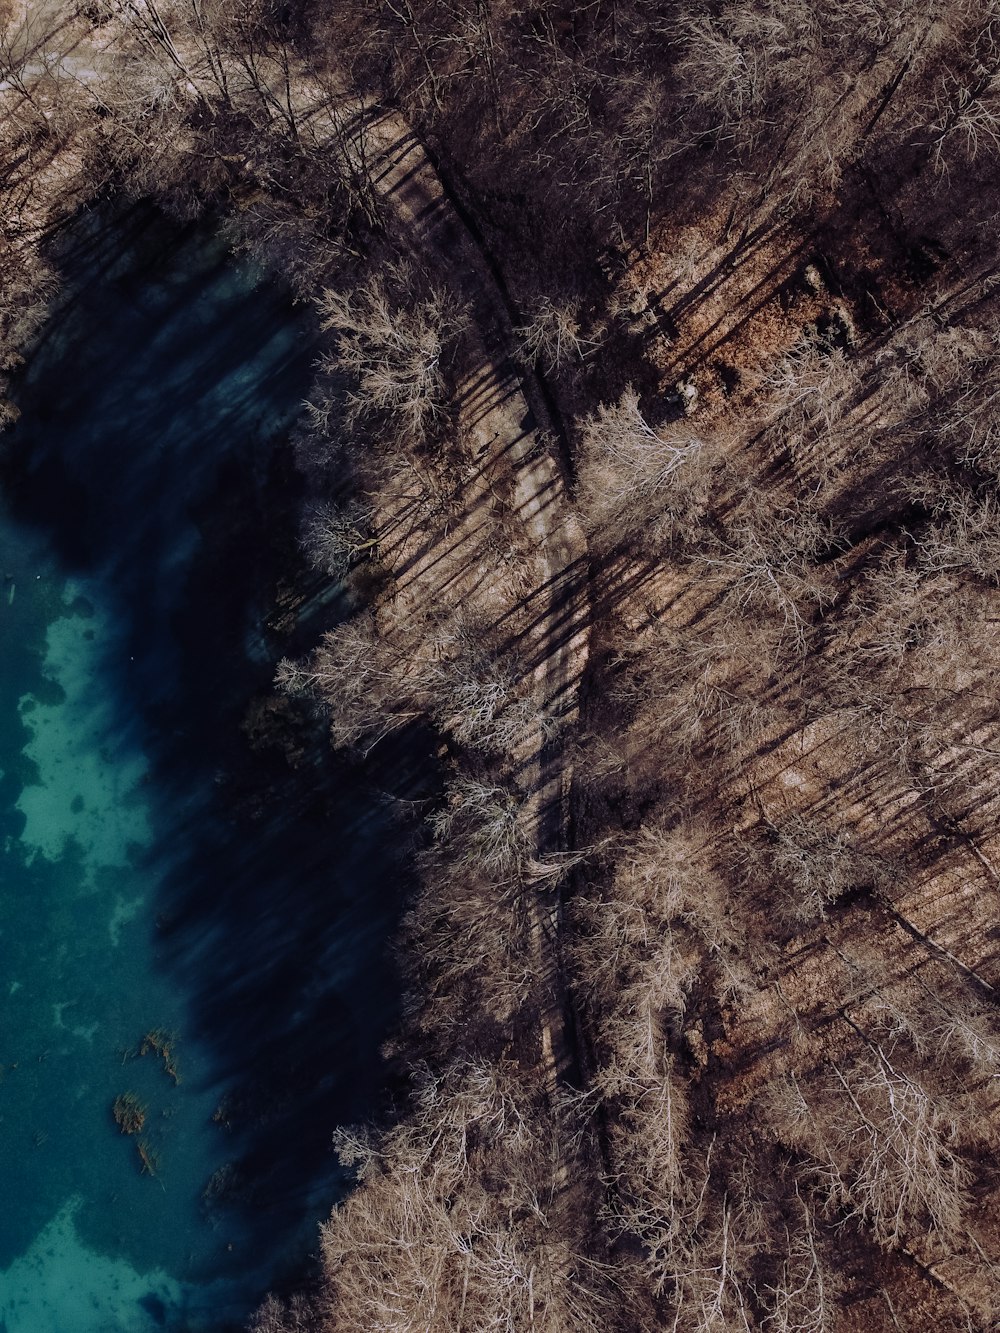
(160,877)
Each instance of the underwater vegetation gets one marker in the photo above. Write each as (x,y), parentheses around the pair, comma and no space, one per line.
(162,1044)
(129,1113)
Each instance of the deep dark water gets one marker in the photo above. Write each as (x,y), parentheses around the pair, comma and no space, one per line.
(159,872)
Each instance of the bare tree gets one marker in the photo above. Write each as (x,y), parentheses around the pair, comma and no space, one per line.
(943,1024)
(803,1297)
(336,537)
(703,688)
(552,336)
(646,145)
(766,562)
(801,868)
(297,1316)
(392,347)
(483,824)
(726,70)
(371,685)
(452,1225)
(964,535)
(807,397)
(478,692)
(660,477)
(881,1145)
(967,103)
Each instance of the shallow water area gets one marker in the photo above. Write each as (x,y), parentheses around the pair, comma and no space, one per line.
(193,984)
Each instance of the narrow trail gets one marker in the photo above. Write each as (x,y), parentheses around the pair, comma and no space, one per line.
(515,423)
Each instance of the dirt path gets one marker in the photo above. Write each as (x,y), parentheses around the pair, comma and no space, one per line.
(513,430)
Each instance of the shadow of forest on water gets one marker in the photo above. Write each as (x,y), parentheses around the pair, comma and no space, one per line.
(149,456)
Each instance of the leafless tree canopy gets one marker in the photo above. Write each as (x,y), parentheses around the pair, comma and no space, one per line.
(655,435)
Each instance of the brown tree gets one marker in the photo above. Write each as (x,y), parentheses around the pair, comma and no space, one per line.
(392,346)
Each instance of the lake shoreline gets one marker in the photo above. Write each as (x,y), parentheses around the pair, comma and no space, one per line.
(162,652)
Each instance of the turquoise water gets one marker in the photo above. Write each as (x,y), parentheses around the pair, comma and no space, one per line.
(161,878)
